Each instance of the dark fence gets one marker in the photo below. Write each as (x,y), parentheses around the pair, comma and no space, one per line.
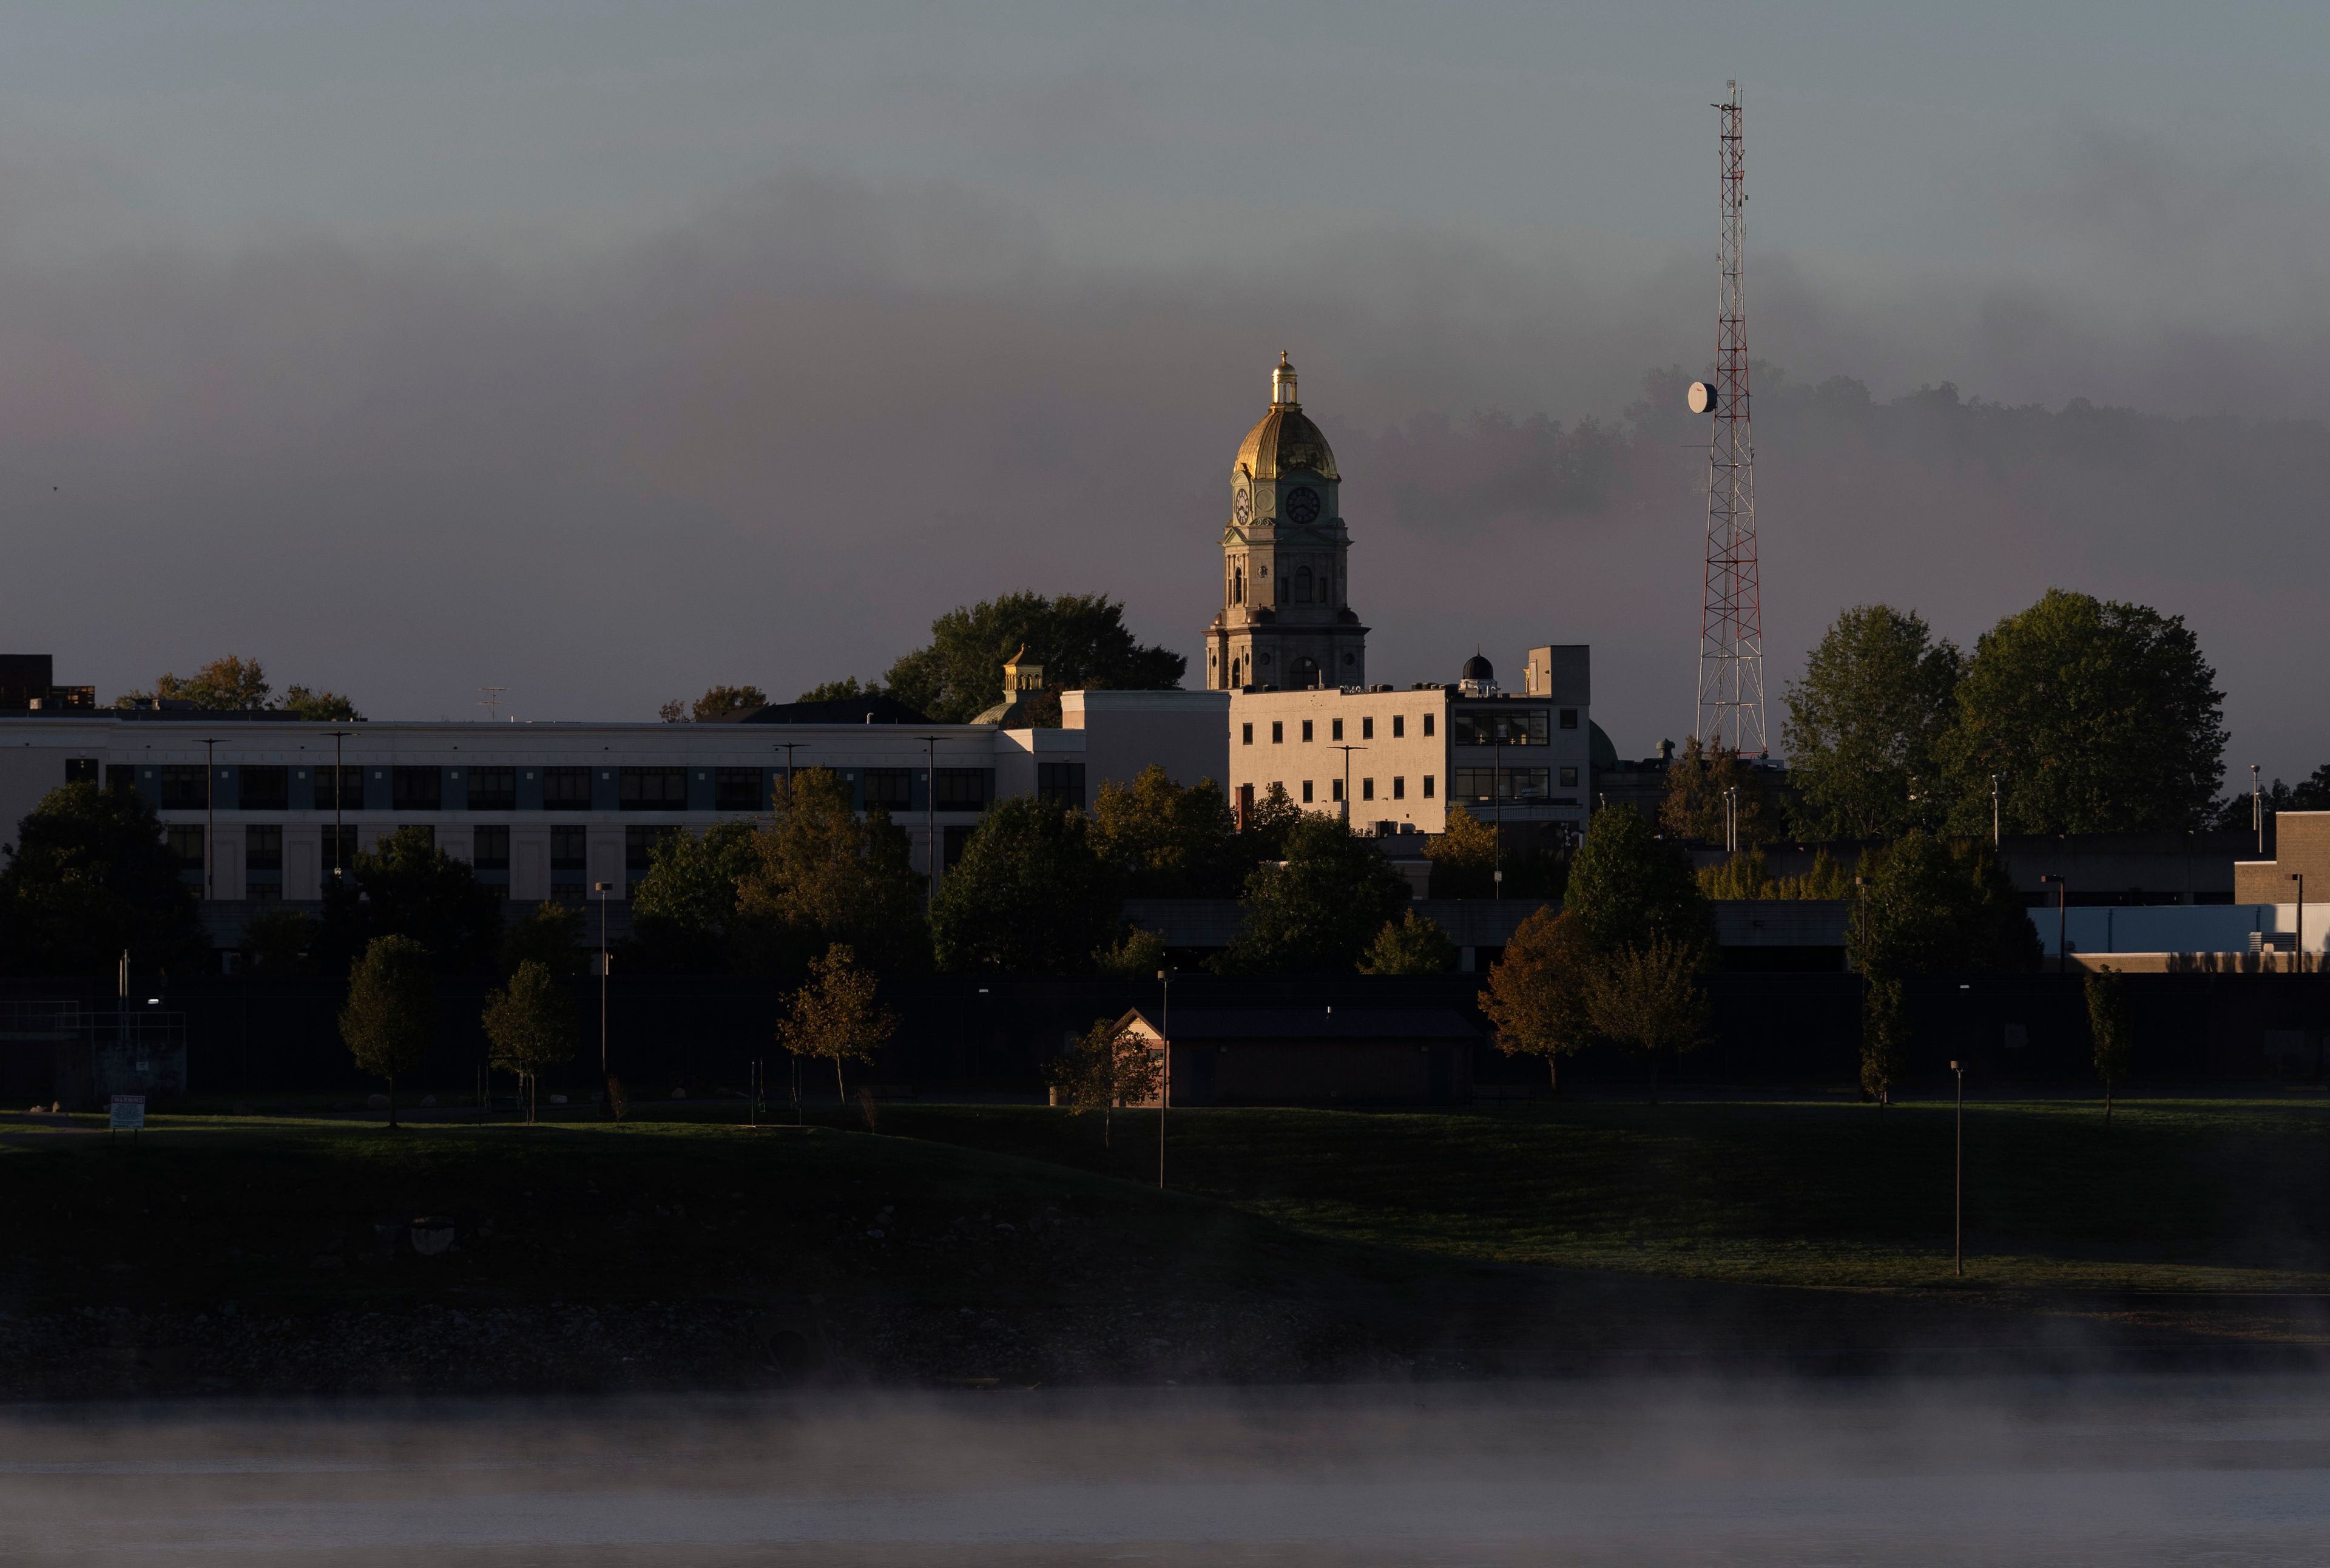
(256,1036)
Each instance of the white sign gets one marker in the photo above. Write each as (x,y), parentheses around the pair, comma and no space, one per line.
(128,1113)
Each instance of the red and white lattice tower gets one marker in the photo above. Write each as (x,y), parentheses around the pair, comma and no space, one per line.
(1730,715)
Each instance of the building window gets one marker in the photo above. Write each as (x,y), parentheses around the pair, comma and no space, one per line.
(653,789)
(638,847)
(1367,729)
(1062,783)
(1570,778)
(1569,718)
(186,848)
(1367,789)
(1427,777)
(339,851)
(263,847)
(1484,726)
(1398,787)
(489,850)
(186,787)
(263,789)
(492,789)
(891,788)
(417,789)
(1306,729)
(570,849)
(1485,783)
(349,794)
(961,789)
(80,770)
(1277,732)
(1399,727)
(1306,792)
(1338,729)
(1245,735)
(1335,789)
(737,789)
(566,789)
(1303,585)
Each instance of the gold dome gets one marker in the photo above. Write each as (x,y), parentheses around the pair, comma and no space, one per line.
(1285,442)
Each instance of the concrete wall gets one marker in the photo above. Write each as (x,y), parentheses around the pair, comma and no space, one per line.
(1418,760)
(1186,733)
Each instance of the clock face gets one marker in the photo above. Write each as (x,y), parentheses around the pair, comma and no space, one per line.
(1242,504)
(1302,505)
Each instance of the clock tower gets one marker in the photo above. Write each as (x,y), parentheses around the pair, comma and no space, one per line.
(1285,620)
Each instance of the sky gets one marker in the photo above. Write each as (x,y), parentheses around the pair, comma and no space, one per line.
(604,351)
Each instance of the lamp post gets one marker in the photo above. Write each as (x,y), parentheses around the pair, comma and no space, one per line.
(1347,751)
(2299,878)
(339,800)
(603,890)
(2257,811)
(788,769)
(1958,1185)
(1165,1080)
(2062,896)
(1497,800)
(1993,811)
(931,817)
(210,816)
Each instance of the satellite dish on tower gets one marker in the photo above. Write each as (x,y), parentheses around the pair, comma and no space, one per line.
(1701,398)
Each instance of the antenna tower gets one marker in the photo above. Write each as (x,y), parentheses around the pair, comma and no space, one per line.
(1730,715)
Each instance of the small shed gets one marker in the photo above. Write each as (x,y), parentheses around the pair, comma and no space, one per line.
(1315,1055)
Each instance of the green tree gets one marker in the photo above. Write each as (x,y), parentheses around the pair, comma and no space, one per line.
(1165,841)
(1647,999)
(1698,781)
(237,685)
(1747,875)
(391,1016)
(1109,1066)
(1263,837)
(405,886)
(1463,857)
(1029,895)
(821,875)
(847,686)
(1884,1037)
(1629,886)
(1864,721)
(90,878)
(318,707)
(1317,912)
(530,1026)
(683,911)
(1140,955)
(1536,998)
(2111,1022)
(718,702)
(551,938)
(1412,945)
(837,1013)
(1080,640)
(279,942)
(2101,717)
(1929,908)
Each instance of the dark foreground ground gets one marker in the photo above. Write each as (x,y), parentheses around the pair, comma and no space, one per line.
(1006,1247)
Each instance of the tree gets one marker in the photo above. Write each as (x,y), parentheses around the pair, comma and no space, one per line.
(837,1013)
(1263,837)
(2235,812)
(2111,1022)
(2101,717)
(1884,1037)
(1412,945)
(530,1025)
(820,875)
(391,1015)
(279,942)
(551,938)
(1140,955)
(1317,912)
(1029,897)
(1535,998)
(1698,782)
(1647,998)
(843,689)
(1463,857)
(1080,640)
(90,878)
(1627,886)
(239,685)
(683,911)
(1864,721)
(1109,1066)
(718,702)
(1165,841)
(406,886)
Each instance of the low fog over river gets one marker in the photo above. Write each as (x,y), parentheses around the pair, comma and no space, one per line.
(2134,1469)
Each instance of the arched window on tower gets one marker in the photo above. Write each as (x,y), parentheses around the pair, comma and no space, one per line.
(1234,673)
(1237,585)
(1303,585)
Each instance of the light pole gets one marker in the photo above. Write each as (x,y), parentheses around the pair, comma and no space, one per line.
(602,889)
(1347,751)
(931,817)
(789,769)
(2062,896)
(1957,1186)
(1165,1082)
(1993,811)
(2257,811)
(210,815)
(1497,805)
(2299,878)
(339,800)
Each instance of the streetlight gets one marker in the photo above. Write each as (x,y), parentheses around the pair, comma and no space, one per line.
(1993,811)
(604,889)
(1347,751)
(1957,1189)
(2299,878)
(2062,896)
(210,814)
(2257,811)
(339,799)
(1165,1082)
(931,817)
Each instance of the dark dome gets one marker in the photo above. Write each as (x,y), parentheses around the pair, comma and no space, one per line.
(1479,668)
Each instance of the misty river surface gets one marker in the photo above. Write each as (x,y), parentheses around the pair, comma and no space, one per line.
(2127,1470)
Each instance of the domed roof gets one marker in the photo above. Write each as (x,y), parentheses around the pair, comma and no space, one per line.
(1479,668)
(1285,442)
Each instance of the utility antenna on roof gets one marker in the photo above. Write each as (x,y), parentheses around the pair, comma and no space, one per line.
(493,696)
(1731,713)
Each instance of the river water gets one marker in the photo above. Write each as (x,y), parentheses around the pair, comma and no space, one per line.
(2134,1469)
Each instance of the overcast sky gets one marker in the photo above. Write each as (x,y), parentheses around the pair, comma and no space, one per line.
(605,352)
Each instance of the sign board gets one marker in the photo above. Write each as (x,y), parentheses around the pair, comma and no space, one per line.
(128,1113)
